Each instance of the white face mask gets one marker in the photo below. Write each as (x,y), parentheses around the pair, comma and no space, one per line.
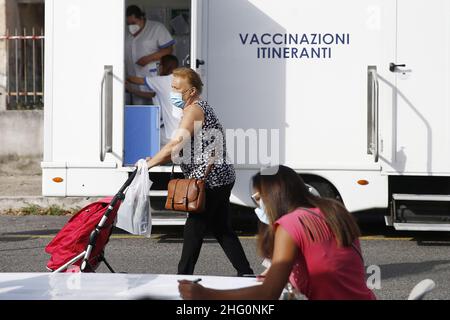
(261,213)
(133,28)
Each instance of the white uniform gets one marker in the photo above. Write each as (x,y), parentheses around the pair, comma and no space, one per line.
(171,115)
(152,38)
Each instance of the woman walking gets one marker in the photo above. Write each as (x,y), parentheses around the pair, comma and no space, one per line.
(201,135)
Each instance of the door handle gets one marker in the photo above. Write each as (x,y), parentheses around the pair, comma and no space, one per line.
(396,68)
(106,105)
(199,63)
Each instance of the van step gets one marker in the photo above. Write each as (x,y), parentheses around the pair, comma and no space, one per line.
(168,221)
(165,169)
(158,193)
(422,226)
(421,197)
(420,212)
(168,217)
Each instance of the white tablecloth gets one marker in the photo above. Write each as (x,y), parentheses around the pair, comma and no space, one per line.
(104,286)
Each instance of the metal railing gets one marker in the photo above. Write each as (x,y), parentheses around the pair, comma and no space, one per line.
(24,69)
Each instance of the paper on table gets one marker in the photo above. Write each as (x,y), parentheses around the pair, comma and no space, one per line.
(165,287)
(104,286)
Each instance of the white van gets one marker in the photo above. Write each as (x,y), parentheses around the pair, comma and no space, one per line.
(356,92)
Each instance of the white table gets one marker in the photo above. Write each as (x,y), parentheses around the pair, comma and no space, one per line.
(104,286)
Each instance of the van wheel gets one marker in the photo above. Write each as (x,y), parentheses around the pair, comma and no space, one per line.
(323,189)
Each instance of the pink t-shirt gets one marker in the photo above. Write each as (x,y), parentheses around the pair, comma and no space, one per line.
(324,271)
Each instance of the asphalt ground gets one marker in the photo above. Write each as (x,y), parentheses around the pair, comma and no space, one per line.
(402,259)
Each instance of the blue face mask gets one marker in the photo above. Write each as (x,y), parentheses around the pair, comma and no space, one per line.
(177,99)
(261,213)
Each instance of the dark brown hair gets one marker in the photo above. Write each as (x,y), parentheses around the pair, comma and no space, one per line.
(135,11)
(170,61)
(285,191)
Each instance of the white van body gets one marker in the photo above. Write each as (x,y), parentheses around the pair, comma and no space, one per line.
(341,115)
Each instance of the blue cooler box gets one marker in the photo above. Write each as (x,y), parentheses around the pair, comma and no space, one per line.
(142,132)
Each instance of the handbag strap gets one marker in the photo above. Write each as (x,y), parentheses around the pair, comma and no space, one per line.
(173,197)
(208,168)
(187,194)
(211,161)
(320,217)
(172,175)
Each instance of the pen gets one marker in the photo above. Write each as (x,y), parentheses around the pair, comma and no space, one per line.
(197,280)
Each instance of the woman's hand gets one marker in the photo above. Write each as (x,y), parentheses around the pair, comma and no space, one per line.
(147,160)
(262,276)
(190,290)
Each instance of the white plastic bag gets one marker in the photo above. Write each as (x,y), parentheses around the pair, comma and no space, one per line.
(134,215)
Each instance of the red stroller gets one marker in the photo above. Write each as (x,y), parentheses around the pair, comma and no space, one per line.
(79,246)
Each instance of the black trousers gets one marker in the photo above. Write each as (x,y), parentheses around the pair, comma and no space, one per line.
(216,219)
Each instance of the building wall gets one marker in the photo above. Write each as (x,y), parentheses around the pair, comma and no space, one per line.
(21,133)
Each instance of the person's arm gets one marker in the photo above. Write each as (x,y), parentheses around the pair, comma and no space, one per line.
(142,94)
(165,44)
(191,115)
(145,60)
(130,89)
(284,255)
(136,80)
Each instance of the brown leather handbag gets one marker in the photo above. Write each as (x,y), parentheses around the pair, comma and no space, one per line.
(187,195)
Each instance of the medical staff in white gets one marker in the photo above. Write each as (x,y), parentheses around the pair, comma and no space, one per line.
(161,87)
(146,43)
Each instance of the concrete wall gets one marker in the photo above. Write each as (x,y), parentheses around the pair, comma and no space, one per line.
(21,133)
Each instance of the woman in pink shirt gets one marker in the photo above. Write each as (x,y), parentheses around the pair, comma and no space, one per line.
(311,241)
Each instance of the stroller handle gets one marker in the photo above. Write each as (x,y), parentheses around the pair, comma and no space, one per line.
(128,182)
(94,234)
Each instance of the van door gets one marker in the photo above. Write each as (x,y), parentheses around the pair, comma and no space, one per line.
(84,97)
(421,141)
(286,92)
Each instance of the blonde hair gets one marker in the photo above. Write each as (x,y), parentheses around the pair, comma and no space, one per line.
(191,76)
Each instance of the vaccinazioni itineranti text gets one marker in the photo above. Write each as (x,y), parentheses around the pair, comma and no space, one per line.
(294,45)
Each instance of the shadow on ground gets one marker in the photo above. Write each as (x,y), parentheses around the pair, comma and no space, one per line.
(396,270)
